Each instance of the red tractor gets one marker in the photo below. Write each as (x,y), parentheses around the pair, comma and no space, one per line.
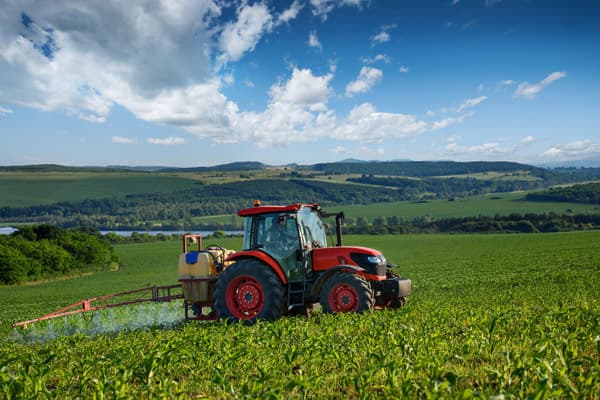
(287,266)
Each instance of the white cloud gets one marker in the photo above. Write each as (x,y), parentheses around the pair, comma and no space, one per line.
(303,88)
(530,90)
(313,40)
(365,123)
(506,82)
(4,111)
(527,140)
(291,13)
(446,122)
(403,69)
(169,141)
(430,113)
(229,79)
(122,140)
(88,66)
(241,36)
(366,79)
(480,87)
(249,83)
(339,150)
(470,103)
(485,149)
(378,58)
(381,37)
(323,7)
(573,150)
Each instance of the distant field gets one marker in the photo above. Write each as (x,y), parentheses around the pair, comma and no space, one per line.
(492,204)
(490,316)
(30,189)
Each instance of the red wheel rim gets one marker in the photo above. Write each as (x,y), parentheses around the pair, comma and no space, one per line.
(245,297)
(343,298)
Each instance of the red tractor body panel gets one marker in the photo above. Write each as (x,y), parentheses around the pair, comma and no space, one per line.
(324,259)
(262,257)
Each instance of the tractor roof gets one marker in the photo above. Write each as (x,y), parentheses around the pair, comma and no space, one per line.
(257,210)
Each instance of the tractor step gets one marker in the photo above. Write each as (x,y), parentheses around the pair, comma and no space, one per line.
(296,291)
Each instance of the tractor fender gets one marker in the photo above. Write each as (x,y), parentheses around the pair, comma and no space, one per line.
(316,288)
(263,257)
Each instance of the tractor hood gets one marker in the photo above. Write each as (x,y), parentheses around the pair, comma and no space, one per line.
(370,259)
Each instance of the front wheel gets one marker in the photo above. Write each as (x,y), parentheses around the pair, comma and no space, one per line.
(249,290)
(346,292)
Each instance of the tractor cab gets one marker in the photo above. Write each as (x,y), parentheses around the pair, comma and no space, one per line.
(286,234)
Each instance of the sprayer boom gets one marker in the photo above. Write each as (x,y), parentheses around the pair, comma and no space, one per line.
(143,295)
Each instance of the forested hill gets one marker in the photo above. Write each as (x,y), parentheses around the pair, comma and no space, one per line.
(587,193)
(234,166)
(423,168)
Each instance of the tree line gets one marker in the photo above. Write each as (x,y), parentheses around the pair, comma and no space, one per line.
(513,223)
(586,193)
(35,252)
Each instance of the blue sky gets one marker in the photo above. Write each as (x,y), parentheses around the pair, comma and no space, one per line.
(204,82)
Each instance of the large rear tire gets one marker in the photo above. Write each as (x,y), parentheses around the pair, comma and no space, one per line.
(249,290)
(346,292)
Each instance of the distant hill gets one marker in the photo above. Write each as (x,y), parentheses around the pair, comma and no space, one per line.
(234,166)
(57,168)
(421,168)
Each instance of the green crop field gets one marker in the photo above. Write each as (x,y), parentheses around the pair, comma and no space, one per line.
(22,189)
(491,316)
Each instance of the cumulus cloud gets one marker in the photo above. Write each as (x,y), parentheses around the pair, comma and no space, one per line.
(573,150)
(530,90)
(169,141)
(79,63)
(122,140)
(403,69)
(365,123)
(242,35)
(164,64)
(367,78)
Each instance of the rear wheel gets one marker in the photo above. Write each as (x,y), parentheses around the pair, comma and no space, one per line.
(249,290)
(346,292)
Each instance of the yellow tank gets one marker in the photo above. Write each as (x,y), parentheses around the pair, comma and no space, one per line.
(197,274)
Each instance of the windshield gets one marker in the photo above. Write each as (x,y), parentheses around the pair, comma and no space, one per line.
(312,227)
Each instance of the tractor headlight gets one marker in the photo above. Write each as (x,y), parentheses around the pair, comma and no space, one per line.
(376,259)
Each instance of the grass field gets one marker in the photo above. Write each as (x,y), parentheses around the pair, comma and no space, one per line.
(491,316)
(22,189)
